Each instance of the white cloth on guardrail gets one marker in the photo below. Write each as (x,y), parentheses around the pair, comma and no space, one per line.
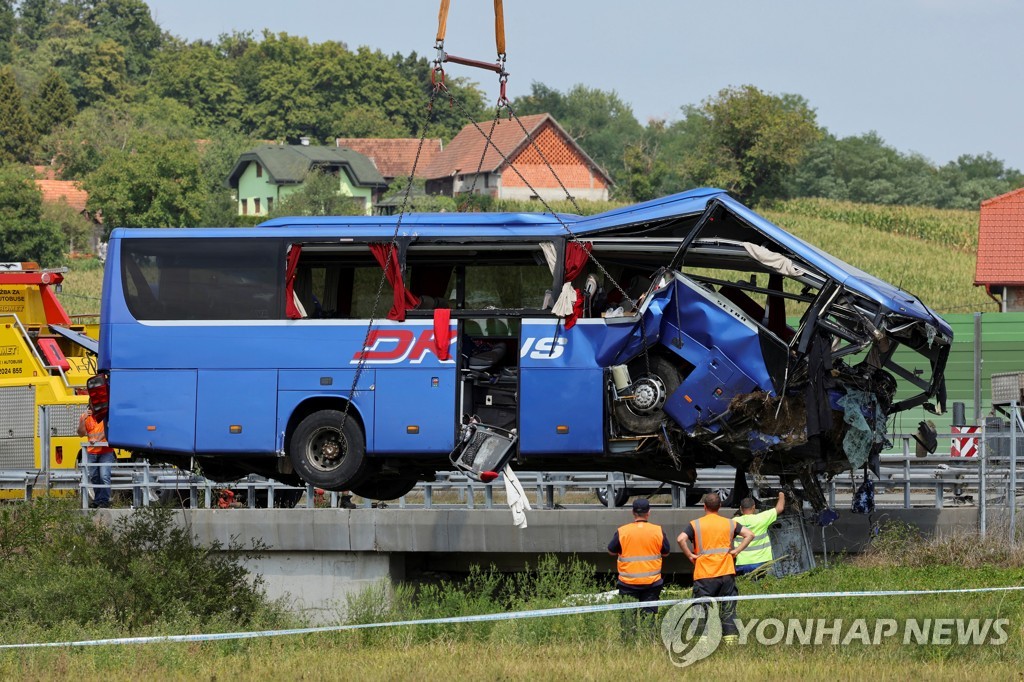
(517,501)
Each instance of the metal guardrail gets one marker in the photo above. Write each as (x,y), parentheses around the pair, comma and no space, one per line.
(918,482)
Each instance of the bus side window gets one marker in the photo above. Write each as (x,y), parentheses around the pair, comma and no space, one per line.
(341,284)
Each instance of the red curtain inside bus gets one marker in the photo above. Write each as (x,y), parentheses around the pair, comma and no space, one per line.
(403,299)
(290,309)
(576,256)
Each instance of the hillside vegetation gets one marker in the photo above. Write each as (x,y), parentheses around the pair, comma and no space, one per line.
(926,251)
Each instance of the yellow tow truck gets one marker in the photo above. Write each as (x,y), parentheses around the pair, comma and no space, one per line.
(45,360)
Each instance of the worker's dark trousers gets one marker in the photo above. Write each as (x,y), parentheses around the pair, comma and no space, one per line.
(642,593)
(722,586)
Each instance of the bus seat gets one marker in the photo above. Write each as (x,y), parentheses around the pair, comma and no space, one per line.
(484,356)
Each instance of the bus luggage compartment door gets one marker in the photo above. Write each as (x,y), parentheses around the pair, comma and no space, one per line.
(237,411)
(561,410)
(153,409)
(415,409)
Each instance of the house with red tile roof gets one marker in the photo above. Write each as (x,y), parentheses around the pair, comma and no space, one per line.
(516,165)
(394,157)
(68,191)
(1000,264)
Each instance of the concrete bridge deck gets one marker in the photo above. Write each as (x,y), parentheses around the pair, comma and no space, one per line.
(316,557)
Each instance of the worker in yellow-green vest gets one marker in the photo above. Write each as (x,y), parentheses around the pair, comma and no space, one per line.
(759,551)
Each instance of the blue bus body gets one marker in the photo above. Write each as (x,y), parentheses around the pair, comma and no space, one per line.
(205,365)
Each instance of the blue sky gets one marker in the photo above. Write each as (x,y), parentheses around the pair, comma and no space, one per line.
(937,77)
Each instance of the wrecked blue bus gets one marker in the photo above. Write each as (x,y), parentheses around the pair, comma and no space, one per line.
(351,352)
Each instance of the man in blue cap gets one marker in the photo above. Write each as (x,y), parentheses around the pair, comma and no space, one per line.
(639,548)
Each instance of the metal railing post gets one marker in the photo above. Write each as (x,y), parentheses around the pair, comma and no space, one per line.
(310,496)
(44,447)
(906,472)
(489,496)
(428,496)
(1011,496)
(85,479)
(982,474)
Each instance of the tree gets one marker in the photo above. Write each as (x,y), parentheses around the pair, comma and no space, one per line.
(7,24)
(155,183)
(750,140)
(972,178)
(367,121)
(218,157)
(129,24)
(93,66)
(24,234)
(443,120)
(864,169)
(111,127)
(203,80)
(643,171)
(35,16)
(77,230)
(278,90)
(16,133)
(319,195)
(53,104)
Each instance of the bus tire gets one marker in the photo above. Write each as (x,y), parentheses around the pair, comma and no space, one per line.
(665,377)
(612,496)
(375,488)
(328,450)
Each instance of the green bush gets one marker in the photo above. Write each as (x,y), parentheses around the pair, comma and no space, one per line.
(555,582)
(59,566)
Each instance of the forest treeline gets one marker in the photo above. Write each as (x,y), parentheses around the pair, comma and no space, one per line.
(151,124)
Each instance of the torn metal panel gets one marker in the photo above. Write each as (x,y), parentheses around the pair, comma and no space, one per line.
(808,401)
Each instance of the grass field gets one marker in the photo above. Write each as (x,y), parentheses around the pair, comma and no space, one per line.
(928,252)
(586,647)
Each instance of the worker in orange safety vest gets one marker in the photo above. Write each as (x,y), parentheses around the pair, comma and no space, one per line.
(100,455)
(639,547)
(713,556)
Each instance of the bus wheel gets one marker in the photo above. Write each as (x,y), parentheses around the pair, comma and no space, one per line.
(643,413)
(384,488)
(328,450)
(612,496)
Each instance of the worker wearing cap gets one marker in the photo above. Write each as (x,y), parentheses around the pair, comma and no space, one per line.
(759,551)
(639,547)
(713,556)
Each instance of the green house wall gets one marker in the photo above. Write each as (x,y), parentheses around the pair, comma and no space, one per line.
(251,187)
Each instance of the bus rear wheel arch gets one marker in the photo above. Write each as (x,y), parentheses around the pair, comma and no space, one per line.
(328,449)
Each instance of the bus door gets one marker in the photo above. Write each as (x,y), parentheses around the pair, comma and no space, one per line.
(415,362)
(515,373)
